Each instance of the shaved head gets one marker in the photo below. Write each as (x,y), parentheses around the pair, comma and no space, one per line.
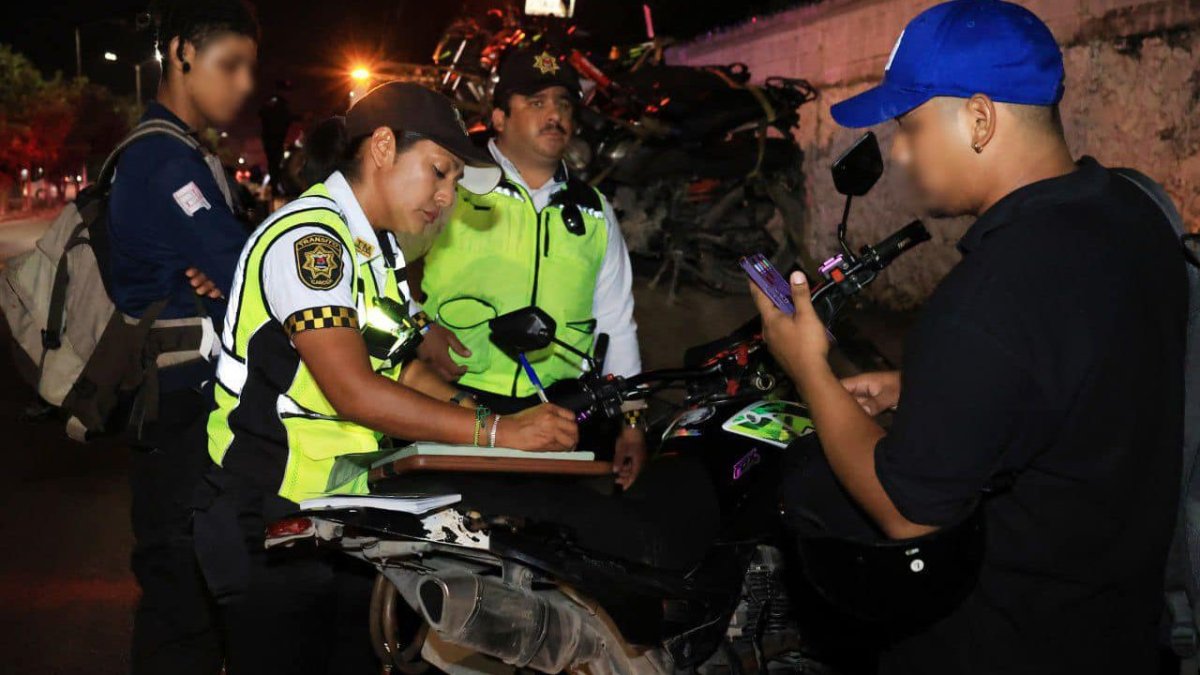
(960,153)
(1044,117)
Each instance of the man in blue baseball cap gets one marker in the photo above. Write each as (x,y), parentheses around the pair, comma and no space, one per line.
(1042,383)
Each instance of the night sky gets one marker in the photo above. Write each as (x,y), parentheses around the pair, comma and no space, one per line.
(313,44)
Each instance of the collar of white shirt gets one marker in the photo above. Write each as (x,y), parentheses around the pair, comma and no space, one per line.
(540,196)
(366,241)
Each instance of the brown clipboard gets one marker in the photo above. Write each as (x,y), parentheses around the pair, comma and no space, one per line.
(482,464)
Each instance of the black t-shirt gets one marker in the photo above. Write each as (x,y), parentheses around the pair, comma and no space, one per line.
(1052,353)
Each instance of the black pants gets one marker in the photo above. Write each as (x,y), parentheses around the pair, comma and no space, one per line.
(174,628)
(293,611)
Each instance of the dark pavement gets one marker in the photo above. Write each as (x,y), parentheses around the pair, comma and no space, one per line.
(66,594)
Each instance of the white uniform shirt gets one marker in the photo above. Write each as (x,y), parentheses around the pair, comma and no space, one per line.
(295,272)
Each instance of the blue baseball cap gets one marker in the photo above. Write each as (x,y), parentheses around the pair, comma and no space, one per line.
(962,48)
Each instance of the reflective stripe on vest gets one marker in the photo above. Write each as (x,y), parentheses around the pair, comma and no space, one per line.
(294,408)
(498,254)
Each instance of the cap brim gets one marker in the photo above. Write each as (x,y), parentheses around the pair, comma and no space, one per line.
(480,180)
(531,88)
(877,105)
(481,175)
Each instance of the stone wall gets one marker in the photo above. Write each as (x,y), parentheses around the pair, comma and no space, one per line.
(1132,99)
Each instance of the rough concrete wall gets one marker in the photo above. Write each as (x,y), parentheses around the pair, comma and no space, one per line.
(1132,99)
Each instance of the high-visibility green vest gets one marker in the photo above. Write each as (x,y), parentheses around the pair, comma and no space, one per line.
(272,423)
(498,254)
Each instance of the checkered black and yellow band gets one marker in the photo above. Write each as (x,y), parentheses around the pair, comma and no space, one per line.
(321,317)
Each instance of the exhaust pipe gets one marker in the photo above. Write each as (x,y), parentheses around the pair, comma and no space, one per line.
(516,626)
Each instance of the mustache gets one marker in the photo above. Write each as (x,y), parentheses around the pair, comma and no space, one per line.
(554,126)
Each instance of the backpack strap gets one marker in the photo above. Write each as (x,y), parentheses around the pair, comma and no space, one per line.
(142,130)
(1183,561)
(156,127)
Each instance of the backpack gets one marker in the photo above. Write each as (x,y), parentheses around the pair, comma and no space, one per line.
(1183,561)
(79,352)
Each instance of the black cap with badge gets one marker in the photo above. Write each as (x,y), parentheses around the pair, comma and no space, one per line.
(411,108)
(527,71)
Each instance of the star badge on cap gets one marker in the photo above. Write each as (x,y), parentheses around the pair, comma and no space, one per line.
(545,63)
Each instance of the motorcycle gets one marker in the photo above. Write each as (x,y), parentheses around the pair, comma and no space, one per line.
(502,592)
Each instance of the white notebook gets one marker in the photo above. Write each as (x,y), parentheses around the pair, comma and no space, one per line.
(443,450)
(415,504)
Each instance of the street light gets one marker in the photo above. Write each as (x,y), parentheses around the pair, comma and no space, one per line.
(360,77)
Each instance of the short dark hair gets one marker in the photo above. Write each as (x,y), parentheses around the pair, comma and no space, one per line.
(198,21)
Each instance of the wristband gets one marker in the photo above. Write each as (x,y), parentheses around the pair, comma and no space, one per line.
(492,435)
(422,321)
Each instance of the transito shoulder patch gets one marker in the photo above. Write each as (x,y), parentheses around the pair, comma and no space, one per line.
(319,261)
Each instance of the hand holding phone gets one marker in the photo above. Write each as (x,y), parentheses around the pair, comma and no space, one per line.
(769,280)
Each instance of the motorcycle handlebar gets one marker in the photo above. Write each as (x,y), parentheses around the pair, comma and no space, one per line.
(882,254)
(595,392)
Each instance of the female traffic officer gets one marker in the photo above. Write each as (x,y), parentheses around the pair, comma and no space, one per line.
(316,365)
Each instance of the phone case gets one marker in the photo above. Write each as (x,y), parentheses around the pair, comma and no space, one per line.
(766,277)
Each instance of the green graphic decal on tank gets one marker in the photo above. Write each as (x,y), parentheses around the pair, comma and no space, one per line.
(775,422)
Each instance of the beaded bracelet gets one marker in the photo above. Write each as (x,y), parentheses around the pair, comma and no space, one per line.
(481,415)
(492,435)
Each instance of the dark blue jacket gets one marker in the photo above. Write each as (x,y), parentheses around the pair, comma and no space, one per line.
(167,214)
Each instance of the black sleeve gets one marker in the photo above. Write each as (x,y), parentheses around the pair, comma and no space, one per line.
(965,401)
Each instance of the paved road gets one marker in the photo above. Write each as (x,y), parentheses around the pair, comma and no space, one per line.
(19,234)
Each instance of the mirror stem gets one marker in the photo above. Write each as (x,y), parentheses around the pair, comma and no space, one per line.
(587,359)
(841,229)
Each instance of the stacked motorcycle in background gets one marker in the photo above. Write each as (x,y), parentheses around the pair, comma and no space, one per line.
(699,163)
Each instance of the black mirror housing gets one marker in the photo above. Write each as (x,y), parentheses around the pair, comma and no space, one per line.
(524,330)
(859,167)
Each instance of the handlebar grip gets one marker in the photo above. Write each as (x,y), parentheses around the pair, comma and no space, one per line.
(900,241)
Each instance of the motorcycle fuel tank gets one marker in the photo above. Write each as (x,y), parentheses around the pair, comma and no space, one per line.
(741,441)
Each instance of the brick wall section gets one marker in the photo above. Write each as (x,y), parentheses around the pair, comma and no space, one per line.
(1132,99)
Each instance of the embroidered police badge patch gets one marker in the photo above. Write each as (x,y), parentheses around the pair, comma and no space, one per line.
(319,261)
(545,63)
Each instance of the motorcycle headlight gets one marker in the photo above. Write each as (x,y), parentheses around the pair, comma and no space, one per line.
(578,154)
(617,151)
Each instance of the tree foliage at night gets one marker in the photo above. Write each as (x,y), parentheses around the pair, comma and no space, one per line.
(54,124)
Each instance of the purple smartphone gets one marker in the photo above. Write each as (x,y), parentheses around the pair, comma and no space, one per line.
(766,277)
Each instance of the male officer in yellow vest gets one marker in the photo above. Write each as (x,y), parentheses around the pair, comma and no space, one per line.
(540,238)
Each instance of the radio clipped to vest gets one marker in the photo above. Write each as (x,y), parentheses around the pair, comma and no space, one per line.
(391,334)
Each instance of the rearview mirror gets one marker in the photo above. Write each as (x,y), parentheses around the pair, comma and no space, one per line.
(859,167)
(524,330)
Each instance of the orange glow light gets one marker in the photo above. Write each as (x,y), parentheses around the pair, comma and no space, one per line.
(360,74)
